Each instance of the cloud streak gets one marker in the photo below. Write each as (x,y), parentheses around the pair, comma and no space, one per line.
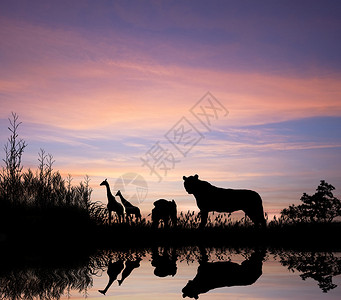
(68,88)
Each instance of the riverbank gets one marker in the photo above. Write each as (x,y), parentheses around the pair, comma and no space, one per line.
(75,231)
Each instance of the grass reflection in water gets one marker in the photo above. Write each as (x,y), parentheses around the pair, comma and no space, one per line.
(57,275)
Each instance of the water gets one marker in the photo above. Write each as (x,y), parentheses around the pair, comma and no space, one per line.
(169,273)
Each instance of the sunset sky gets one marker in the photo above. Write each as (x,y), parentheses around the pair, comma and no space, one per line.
(100,84)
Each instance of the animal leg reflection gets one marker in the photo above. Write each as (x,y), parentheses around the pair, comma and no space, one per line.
(114,269)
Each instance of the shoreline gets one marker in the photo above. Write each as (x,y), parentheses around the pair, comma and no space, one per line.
(301,236)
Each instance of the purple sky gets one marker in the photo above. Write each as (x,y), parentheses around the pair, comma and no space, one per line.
(99,83)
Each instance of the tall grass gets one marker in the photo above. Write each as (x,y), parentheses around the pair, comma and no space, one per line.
(191,220)
(43,188)
(40,197)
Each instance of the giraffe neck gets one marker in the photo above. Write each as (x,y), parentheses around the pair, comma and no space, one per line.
(109,194)
(124,201)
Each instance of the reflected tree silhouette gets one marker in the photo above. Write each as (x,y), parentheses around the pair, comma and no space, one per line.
(320,266)
(49,278)
(43,282)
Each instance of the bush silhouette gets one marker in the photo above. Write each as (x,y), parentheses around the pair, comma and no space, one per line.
(320,207)
(29,198)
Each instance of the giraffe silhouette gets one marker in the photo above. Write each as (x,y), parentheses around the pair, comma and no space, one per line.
(113,205)
(130,209)
(130,265)
(114,269)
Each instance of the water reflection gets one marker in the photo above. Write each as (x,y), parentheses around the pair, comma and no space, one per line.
(114,269)
(130,265)
(212,275)
(165,263)
(22,278)
(320,266)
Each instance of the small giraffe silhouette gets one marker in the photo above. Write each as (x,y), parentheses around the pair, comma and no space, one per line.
(130,209)
(114,269)
(113,205)
(130,265)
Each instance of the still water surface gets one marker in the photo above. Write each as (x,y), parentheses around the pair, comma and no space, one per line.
(192,272)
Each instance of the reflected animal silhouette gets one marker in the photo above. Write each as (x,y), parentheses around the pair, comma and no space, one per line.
(114,269)
(165,264)
(129,208)
(212,275)
(130,265)
(211,198)
(166,211)
(113,205)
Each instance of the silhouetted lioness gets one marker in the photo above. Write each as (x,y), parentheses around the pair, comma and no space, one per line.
(211,198)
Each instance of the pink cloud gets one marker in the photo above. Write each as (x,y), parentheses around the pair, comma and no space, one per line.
(61,77)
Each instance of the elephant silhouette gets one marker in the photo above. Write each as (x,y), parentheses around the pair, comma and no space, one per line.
(166,211)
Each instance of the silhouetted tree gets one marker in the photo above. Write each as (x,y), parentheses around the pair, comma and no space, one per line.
(26,194)
(11,174)
(320,207)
